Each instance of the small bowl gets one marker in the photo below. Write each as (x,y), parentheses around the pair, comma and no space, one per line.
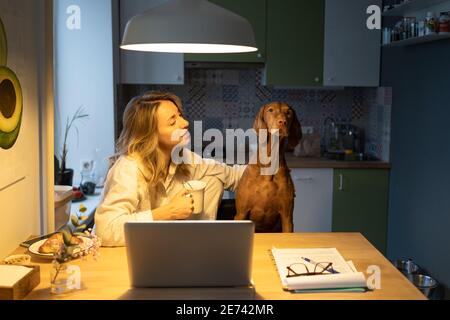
(424,283)
(18,259)
(406,266)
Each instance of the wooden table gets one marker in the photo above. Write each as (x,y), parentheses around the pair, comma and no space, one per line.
(107,278)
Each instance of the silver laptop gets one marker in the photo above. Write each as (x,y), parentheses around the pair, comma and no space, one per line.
(189,253)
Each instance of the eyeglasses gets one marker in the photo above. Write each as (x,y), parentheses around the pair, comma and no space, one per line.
(298,269)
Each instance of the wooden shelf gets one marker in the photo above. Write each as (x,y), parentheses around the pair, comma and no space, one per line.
(417,40)
(411,6)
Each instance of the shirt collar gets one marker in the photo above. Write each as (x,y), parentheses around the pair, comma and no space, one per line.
(170,174)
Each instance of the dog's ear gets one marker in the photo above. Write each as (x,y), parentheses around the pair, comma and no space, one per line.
(260,123)
(295,132)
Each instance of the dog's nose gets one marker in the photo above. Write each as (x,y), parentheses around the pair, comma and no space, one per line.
(282,122)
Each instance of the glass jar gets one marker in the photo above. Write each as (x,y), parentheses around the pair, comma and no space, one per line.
(87,184)
(64,278)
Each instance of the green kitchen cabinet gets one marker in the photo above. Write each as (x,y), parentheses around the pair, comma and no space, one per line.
(295,42)
(255,12)
(360,203)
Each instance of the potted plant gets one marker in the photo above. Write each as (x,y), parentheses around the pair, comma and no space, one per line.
(64,175)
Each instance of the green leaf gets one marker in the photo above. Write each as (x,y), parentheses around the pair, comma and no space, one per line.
(67,235)
(74,220)
(81,228)
(71,249)
(79,234)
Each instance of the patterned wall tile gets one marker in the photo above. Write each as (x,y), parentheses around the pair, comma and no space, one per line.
(357,112)
(231,110)
(231,98)
(231,77)
(327,97)
(296,95)
(196,95)
(214,93)
(247,94)
(212,123)
(214,109)
(230,93)
(214,77)
(247,79)
(263,94)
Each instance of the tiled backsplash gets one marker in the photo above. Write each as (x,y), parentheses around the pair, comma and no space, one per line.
(231,98)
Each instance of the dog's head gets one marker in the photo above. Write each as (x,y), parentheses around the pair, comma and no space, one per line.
(280,116)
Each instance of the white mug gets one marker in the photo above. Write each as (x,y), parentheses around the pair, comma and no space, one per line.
(197,189)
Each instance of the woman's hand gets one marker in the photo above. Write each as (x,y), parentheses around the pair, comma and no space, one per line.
(180,207)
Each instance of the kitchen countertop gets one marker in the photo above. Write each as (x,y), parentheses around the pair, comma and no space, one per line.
(301,162)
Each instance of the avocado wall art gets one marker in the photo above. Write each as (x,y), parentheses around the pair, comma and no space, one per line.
(11,100)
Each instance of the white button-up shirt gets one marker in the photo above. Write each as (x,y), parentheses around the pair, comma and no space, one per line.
(127,197)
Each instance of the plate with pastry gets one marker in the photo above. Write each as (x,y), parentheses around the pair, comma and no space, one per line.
(46,248)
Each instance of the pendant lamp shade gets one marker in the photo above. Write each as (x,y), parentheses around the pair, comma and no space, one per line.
(189,26)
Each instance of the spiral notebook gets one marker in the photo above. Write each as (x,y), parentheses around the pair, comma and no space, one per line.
(343,276)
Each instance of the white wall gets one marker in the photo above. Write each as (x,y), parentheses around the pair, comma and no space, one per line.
(20,213)
(84,76)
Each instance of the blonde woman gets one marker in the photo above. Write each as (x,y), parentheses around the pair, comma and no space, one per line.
(143,183)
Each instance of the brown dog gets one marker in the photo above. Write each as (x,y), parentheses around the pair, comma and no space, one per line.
(268,200)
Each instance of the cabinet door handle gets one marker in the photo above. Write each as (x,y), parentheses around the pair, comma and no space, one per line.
(308,180)
(341,182)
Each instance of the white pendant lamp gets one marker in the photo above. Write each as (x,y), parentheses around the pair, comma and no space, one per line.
(189,26)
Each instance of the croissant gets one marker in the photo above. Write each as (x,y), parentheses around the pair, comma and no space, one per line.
(52,244)
(49,246)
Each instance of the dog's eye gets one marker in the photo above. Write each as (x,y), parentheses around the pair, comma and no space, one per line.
(270,110)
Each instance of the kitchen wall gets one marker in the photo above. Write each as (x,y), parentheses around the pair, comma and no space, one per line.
(20,202)
(84,77)
(231,98)
(419,214)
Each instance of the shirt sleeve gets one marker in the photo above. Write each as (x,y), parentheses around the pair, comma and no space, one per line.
(229,175)
(119,204)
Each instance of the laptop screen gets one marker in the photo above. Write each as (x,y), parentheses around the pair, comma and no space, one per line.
(189,253)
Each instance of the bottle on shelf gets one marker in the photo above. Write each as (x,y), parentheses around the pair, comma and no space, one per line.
(444,23)
(430,24)
(421,28)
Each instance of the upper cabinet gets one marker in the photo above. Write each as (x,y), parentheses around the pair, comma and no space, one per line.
(303,43)
(295,33)
(321,43)
(146,67)
(352,51)
(255,12)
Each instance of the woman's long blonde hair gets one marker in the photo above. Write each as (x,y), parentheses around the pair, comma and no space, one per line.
(139,137)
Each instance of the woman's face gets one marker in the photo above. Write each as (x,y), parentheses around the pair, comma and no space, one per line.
(172,127)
